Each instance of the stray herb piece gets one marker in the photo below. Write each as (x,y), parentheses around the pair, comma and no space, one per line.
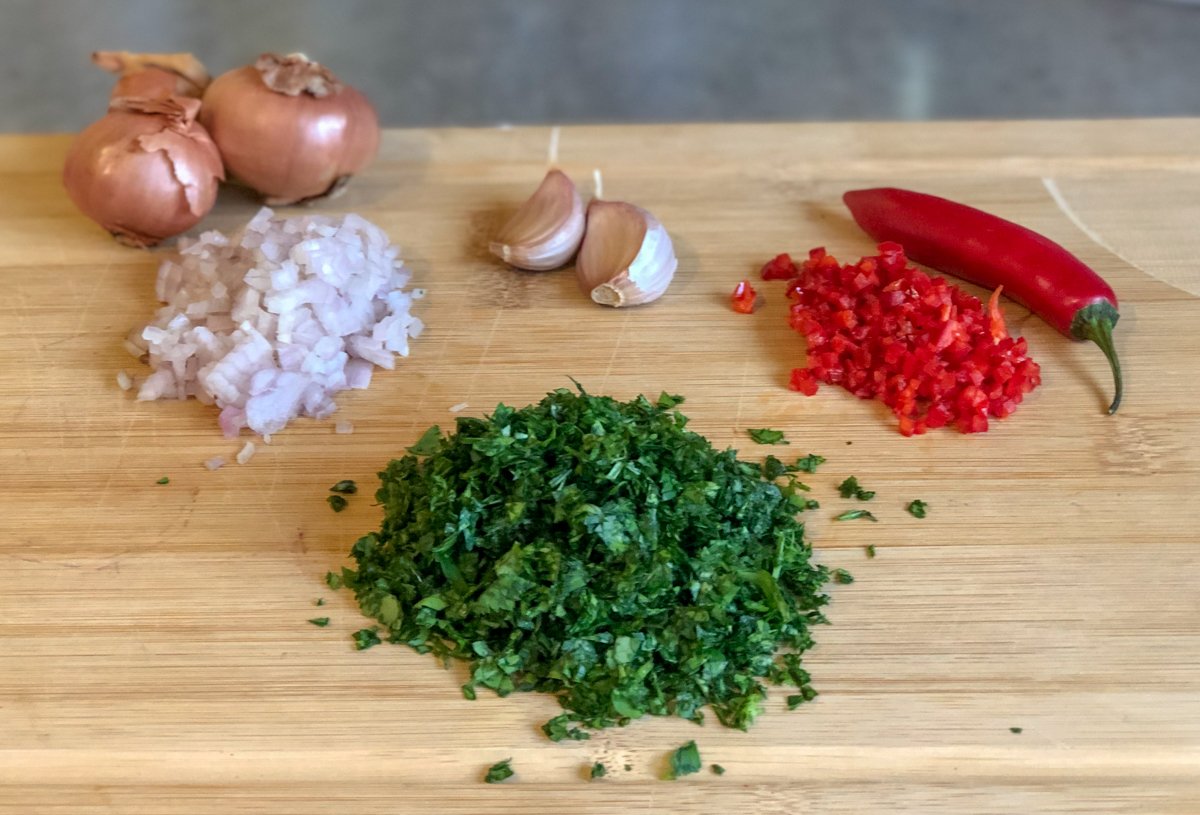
(320,601)
(917,508)
(850,489)
(429,443)
(684,761)
(337,502)
(334,581)
(871,551)
(163,480)
(765,435)
(499,771)
(599,551)
(809,463)
(855,514)
(320,622)
(345,487)
(1017,730)
(666,401)
(366,638)
(598,770)
(842,576)
(628,767)
(717,769)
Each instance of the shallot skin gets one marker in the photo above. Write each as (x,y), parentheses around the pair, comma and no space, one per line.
(144,176)
(289,147)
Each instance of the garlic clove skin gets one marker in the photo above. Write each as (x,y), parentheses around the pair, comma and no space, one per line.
(627,258)
(546,231)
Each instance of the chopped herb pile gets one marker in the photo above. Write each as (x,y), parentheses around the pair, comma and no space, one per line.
(320,622)
(765,435)
(337,502)
(598,770)
(366,638)
(499,771)
(345,487)
(917,508)
(684,761)
(855,514)
(601,552)
(850,489)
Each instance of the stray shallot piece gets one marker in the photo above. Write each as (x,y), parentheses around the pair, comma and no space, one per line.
(124,380)
(271,323)
(246,453)
(215,463)
(459,408)
(343,427)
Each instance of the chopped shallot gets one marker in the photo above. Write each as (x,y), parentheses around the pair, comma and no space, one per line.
(246,453)
(344,427)
(215,463)
(271,323)
(460,407)
(124,380)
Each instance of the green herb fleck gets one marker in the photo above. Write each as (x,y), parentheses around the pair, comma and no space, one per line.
(598,770)
(842,576)
(366,638)
(334,581)
(684,761)
(337,502)
(717,769)
(599,551)
(628,767)
(855,514)
(917,508)
(345,487)
(429,443)
(320,622)
(850,489)
(499,771)
(666,401)
(1017,730)
(163,480)
(809,463)
(320,601)
(871,551)
(765,435)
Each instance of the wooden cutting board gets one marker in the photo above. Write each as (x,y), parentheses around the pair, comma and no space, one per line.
(154,650)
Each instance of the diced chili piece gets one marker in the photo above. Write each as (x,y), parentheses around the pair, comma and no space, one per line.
(743,297)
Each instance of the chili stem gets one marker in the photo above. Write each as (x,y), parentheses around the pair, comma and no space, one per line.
(1095,323)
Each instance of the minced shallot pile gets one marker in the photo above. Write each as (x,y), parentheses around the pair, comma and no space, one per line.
(272,323)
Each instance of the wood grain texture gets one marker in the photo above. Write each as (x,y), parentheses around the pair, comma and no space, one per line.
(156,657)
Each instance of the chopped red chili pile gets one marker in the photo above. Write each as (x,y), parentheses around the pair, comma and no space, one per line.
(743,297)
(884,329)
(780,267)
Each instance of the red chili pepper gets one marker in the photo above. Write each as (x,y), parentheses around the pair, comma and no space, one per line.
(971,244)
(743,297)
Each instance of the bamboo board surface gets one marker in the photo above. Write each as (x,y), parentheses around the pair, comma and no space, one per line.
(155,655)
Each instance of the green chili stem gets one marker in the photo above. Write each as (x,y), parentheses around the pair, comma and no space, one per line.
(1095,323)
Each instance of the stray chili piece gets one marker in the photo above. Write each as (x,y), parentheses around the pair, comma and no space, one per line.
(743,298)
(966,242)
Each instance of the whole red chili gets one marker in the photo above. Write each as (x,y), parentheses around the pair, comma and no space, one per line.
(971,244)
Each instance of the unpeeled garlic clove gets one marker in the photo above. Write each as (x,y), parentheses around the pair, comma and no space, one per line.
(546,231)
(627,257)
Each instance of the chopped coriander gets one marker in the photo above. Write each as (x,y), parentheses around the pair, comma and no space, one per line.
(855,514)
(809,463)
(794,701)
(598,770)
(850,489)
(628,767)
(337,502)
(717,769)
(320,622)
(366,638)
(871,551)
(765,435)
(917,508)
(345,487)
(1017,730)
(684,761)
(163,480)
(555,548)
(429,443)
(468,691)
(334,581)
(666,401)
(320,601)
(842,576)
(499,771)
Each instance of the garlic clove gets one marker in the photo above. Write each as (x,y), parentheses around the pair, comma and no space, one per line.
(546,231)
(627,258)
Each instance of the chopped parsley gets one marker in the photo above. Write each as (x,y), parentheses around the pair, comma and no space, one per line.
(850,489)
(598,770)
(684,761)
(337,502)
(917,508)
(366,638)
(809,463)
(320,601)
(333,580)
(1017,730)
(320,622)
(599,551)
(163,480)
(855,514)
(871,551)
(499,771)
(842,576)
(765,435)
(429,443)
(717,769)
(666,401)
(345,487)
